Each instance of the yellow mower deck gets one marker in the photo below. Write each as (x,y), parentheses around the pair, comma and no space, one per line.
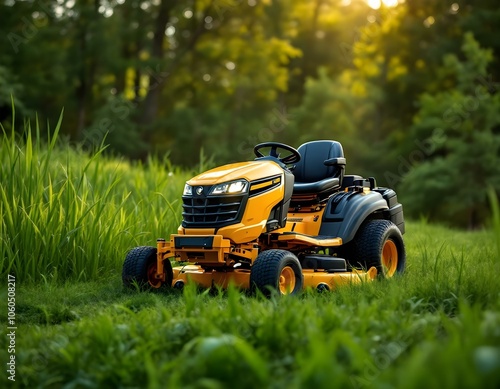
(241,277)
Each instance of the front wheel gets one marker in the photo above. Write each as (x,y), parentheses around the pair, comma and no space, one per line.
(277,270)
(378,243)
(139,269)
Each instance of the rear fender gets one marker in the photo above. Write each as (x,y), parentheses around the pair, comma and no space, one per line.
(346,211)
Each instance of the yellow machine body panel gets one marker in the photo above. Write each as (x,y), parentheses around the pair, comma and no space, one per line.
(307,223)
(250,171)
(253,223)
(195,231)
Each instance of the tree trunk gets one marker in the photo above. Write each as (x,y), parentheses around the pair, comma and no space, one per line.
(81,91)
(160,75)
(151,102)
(87,72)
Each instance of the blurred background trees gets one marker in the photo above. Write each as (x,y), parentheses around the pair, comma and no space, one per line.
(409,87)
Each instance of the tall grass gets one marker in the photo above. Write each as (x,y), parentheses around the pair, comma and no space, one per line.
(68,214)
(495,216)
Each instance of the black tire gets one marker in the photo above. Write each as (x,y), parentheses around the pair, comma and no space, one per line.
(377,243)
(138,267)
(273,270)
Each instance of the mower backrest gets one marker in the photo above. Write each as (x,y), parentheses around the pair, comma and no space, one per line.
(311,173)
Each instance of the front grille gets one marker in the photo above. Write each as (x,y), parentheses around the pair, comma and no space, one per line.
(212,211)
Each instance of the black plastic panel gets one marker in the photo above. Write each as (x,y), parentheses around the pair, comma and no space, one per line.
(324,262)
(205,242)
(346,211)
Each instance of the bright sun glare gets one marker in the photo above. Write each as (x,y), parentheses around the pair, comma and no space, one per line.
(375,4)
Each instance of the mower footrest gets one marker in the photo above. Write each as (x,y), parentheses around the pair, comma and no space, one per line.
(310,240)
(326,262)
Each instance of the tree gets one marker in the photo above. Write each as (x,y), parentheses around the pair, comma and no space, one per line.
(9,87)
(460,128)
(330,110)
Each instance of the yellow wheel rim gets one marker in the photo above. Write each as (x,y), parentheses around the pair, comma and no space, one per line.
(287,280)
(153,282)
(389,258)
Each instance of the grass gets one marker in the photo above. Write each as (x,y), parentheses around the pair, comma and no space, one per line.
(70,215)
(67,220)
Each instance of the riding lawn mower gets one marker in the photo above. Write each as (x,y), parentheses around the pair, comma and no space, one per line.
(278,224)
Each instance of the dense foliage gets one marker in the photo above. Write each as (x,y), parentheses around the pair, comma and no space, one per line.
(175,76)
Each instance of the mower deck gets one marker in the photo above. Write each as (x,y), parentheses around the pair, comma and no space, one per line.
(317,279)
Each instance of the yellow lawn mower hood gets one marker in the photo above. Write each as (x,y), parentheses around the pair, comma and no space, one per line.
(248,171)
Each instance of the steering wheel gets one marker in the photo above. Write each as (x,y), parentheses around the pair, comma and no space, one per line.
(290,159)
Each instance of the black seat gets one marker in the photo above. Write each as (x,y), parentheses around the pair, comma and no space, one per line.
(321,168)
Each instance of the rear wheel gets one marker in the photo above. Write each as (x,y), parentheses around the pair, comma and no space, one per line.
(377,243)
(277,270)
(140,268)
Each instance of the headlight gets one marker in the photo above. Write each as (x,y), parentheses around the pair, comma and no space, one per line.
(188,190)
(230,188)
